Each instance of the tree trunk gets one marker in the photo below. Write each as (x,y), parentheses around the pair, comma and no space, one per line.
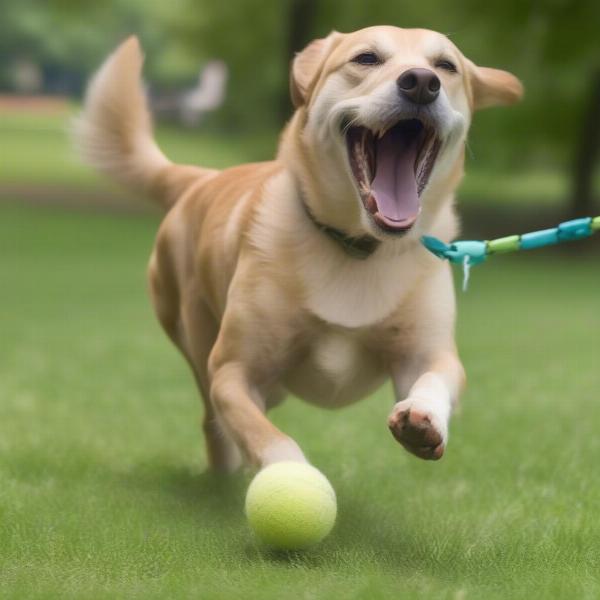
(588,147)
(300,17)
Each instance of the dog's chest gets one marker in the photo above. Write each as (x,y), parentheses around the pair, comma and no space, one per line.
(358,294)
(336,368)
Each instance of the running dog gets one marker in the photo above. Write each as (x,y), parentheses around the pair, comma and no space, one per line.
(305,274)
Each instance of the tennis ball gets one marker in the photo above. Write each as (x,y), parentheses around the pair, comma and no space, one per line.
(290,505)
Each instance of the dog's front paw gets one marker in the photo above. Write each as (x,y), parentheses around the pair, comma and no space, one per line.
(418,430)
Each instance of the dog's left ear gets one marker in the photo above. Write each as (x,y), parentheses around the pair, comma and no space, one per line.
(307,65)
(493,87)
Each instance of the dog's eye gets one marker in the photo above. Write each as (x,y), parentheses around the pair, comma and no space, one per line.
(367,58)
(446,65)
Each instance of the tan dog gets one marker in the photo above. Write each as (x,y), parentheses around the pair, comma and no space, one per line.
(306,274)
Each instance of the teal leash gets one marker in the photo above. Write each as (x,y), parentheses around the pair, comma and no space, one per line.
(471,252)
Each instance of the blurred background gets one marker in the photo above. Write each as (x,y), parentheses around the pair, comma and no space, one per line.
(217,76)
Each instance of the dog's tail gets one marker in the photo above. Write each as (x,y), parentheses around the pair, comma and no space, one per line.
(114,132)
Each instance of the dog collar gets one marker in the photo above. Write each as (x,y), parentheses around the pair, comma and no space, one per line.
(357,247)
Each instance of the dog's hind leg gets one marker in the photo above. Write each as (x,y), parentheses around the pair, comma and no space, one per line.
(191,327)
(200,333)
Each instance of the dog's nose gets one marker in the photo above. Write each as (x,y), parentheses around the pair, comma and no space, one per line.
(420,86)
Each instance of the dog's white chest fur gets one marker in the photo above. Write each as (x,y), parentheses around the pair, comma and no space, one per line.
(336,356)
(337,369)
(356,293)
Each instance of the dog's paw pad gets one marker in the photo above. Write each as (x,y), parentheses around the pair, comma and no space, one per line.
(416,432)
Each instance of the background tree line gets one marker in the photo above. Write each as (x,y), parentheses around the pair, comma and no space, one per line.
(552,45)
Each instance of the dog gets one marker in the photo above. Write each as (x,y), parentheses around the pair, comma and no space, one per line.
(305,274)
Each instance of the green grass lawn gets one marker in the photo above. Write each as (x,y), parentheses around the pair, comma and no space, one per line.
(42,153)
(103,488)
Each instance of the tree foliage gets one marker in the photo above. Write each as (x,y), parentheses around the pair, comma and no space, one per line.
(551,44)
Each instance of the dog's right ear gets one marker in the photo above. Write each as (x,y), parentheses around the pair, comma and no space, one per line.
(307,65)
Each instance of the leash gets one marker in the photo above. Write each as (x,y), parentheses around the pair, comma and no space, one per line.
(470,252)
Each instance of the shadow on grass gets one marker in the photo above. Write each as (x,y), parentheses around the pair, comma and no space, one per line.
(184,500)
(395,541)
(217,499)
(365,535)
(218,494)
(382,538)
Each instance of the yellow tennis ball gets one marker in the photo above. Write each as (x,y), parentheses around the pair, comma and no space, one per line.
(290,505)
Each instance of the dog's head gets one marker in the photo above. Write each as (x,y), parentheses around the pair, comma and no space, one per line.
(385,116)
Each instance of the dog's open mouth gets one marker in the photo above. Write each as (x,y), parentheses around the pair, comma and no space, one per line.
(392,169)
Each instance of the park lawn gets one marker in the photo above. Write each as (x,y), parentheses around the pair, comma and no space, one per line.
(103,487)
(41,152)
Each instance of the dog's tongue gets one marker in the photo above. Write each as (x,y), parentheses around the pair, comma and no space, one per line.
(395,185)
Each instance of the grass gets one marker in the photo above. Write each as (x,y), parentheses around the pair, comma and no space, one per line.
(41,152)
(103,488)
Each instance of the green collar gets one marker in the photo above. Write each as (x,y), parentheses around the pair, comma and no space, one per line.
(357,247)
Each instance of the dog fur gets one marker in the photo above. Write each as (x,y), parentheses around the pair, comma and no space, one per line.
(258,300)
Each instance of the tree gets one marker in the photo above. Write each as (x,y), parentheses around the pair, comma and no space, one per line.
(587,152)
(300,25)
(558,42)
(70,39)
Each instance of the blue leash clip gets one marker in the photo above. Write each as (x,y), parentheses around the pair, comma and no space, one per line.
(471,251)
